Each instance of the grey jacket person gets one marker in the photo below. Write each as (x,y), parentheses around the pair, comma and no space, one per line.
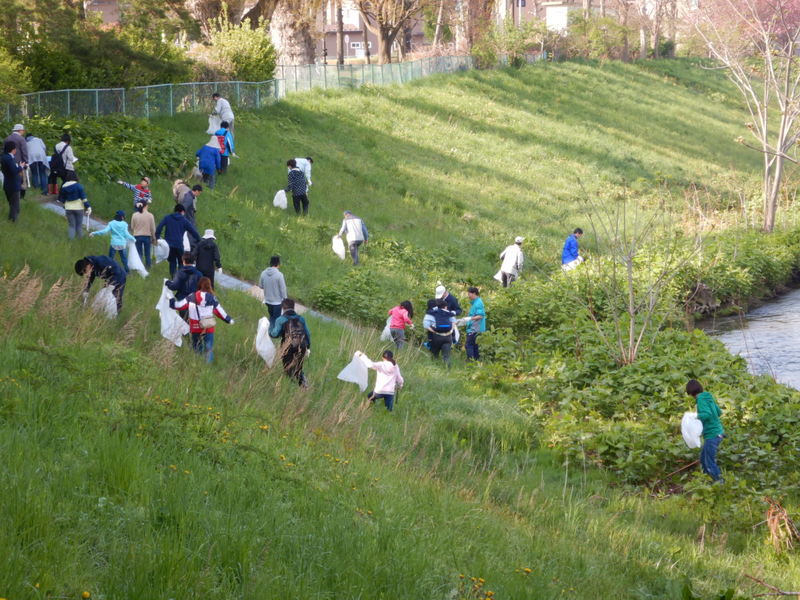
(274,286)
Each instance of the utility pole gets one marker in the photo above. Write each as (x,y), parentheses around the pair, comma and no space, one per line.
(339,32)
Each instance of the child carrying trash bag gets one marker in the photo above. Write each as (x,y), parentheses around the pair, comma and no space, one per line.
(388,379)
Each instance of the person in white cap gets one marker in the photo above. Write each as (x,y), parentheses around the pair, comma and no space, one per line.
(452,302)
(512,262)
(18,137)
(207,257)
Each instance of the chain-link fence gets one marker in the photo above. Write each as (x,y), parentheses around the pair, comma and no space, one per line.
(170,98)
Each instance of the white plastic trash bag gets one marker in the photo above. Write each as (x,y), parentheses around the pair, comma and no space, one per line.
(161,250)
(214,123)
(386,334)
(280,199)
(105,303)
(264,346)
(456,334)
(692,429)
(338,246)
(173,327)
(499,276)
(355,372)
(187,246)
(134,261)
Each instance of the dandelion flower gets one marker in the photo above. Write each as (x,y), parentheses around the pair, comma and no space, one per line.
(86,595)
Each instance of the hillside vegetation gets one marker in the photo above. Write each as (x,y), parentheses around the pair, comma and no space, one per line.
(133,470)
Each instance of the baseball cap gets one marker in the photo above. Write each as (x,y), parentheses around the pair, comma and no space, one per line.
(209,234)
(519,239)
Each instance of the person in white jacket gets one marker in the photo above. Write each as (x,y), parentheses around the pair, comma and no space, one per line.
(223,109)
(355,232)
(388,379)
(512,262)
(304,164)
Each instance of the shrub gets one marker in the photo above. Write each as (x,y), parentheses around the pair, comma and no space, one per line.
(243,52)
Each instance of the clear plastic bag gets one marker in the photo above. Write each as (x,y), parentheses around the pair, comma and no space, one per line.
(386,334)
(355,372)
(280,199)
(173,327)
(105,303)
(264,346)
(692,430)
(187,246)
(135,261)
(338,246)
(161,250)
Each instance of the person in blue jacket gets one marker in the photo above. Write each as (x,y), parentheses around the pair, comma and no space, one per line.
(186,280)
(210,162)
(226,149)
(174,226)
(570,255)
(105,268)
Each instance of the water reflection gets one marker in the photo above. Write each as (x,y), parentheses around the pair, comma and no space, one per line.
(767,338)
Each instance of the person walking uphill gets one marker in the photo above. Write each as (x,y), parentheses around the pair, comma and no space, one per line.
(222,108)
(189,202)
(209,162)
(570,255)
(73,197)
(356,233)
(476,323)
(174,226)
(143,226)
(388,379)
(295,341)
(37,159)
(225,146)
(439,322)
(298,186)
(400,316)
(274,286)
(202,307)
(17,136)
(512,262)
(141,191)
(12,179)
(206,255)
(187,280)
(708,411)
(120,237)
(105,268)
(62,163)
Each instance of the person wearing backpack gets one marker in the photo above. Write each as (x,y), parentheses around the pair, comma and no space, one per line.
(709,412)
(207,256)
(120,236)
(225,144)
(388,379)
(202,307)
(440,322)
(187,279)
(295,341)
(62,163)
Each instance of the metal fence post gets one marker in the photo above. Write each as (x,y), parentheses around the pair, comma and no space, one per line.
(238,94)
(97,102)
(69,104)
(147,102)
(39,102)
(171,101)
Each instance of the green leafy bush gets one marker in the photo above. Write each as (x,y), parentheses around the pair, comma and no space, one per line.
(242,51)
(115,146)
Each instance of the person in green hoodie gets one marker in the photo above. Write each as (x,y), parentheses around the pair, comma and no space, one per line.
(708,411)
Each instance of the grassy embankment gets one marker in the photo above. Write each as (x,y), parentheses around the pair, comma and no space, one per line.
(122,481)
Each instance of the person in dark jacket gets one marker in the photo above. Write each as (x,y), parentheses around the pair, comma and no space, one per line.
(12,178)
(185,282)
(73,197)
(189,202)
(209,163)
(452,302)
(298,186)
(105,268)
(174,226)
(206,255)
(295,341)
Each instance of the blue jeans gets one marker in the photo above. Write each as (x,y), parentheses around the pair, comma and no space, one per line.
(210,179)
(274,311)
(123,254)
(471,346)
(388,399)
(39,176)
(203,343)
(708,457)
(74,223)
(143,248)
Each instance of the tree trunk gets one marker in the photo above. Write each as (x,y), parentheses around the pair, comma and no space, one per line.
(291,36)
(437,35)
(626,48)
(339,32)
(587,8)
(642,41)
(385,41)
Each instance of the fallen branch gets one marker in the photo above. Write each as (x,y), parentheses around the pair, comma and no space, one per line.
(683,468)
(774,590)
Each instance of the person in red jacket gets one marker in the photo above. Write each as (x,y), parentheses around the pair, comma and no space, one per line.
(202,307)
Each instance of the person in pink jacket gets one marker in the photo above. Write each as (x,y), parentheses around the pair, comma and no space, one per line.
(400,316)
(388,380)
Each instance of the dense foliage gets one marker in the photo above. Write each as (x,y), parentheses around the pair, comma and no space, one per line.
(242,51)
(114,147)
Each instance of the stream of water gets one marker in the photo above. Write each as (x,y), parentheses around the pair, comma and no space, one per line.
(767,337)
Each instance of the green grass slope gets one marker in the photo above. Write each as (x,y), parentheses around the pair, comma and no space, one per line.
(447,170)
(133,470)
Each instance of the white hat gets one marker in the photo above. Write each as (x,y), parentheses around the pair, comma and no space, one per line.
(19,127)
(519,239)
(209,233)
(440,290)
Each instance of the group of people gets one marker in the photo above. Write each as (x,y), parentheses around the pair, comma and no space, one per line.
(512,257)
(25,164)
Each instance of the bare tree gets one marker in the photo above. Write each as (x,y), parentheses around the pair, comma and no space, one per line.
(292,29)
(386,19)
(756,42)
